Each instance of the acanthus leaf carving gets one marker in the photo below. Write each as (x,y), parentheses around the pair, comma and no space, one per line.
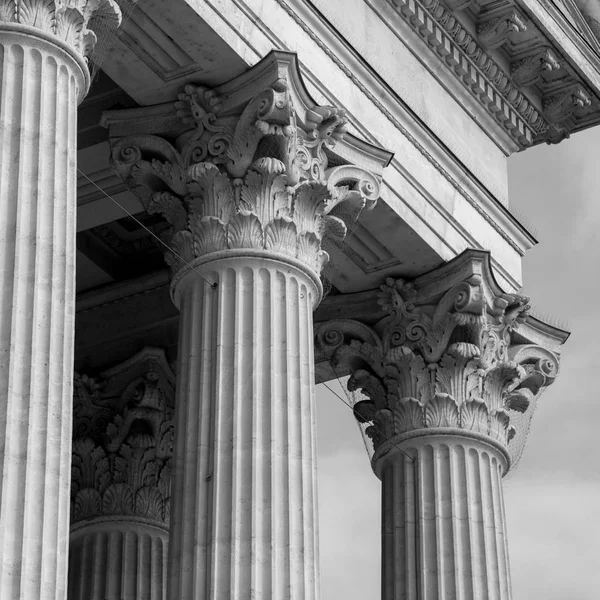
(121,466)
(529,70)
(408,415)
(496,31)
(281,235)
(37,13)
(442,361)
(245,231)
(442,411)
(559,107)
(257,167)
(474,415)
(209,235)
(76,22)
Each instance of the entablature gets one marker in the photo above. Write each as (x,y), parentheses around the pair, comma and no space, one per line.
(533,66)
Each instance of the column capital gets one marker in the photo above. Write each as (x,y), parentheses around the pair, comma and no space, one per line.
(75,23)
(253,164)
(123,442)
(454,354)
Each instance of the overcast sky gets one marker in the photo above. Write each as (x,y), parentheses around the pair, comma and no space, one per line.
(553,499)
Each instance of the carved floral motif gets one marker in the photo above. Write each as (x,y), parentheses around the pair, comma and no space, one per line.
(530,69)
(495,32)
(75,22)
(258,178)
(121,462)
(448,363)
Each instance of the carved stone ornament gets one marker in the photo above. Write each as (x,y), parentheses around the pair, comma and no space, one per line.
(123,441)
(530,69)
(75,22)
(561,106)
(458,4)
(253,167)
(452,359)
(495,32)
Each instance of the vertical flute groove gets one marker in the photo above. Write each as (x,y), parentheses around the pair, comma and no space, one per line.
(459,534)
(254,392)
(39,87)
(114,564)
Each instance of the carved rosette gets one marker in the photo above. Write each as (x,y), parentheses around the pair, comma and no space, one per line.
(123,444)
(251,174)
(453,362)
(75,22)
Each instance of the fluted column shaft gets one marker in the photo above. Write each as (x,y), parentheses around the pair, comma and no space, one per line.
(244,521)
(40,86)
(443,522)
(117,559)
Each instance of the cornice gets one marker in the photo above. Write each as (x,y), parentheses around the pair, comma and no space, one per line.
(488,50)
(470,62)
(585,60)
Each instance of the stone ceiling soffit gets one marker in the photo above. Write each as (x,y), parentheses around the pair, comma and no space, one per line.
(159,119)
(118,292)
(566,31)
(161,46)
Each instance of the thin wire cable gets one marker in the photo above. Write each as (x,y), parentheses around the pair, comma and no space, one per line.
(212,285)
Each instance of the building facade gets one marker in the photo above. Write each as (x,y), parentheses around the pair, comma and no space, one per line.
(209,206)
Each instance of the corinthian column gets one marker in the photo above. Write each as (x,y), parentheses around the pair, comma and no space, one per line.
(249,190)
(444,374)
(121,481)
(43,77)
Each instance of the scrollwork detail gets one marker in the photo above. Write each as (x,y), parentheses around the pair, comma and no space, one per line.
(258,171)
(121,466)
(445,362)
